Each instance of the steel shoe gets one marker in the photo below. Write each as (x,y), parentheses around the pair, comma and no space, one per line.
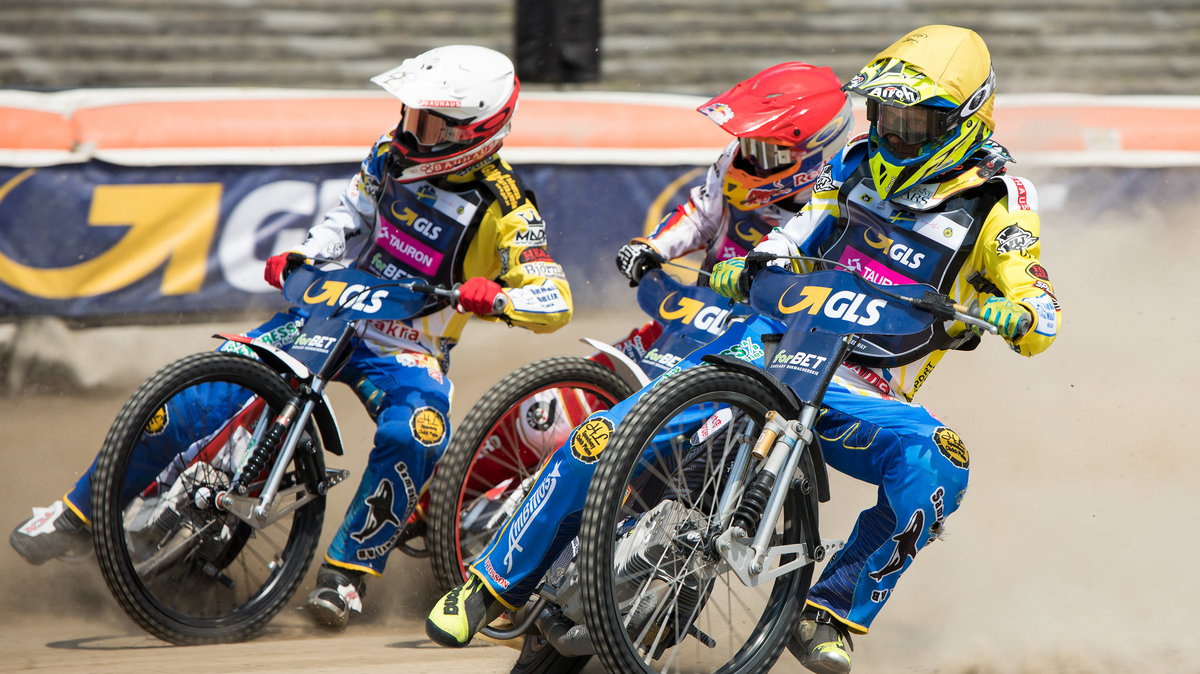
(339,593)
(55,532)
(461,613)
(824,641)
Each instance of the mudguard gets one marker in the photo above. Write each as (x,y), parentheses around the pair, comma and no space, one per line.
(793,410)
(279,360)
(623,365)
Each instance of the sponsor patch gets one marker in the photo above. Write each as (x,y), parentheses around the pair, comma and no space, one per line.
(523,521)
(1047,318)
(491,572)
(951,446)
(544,269)
(379,512)
(1013,238)
(428,426)
(158,421)
(504,185)
(906,547)
(1037,271)
(717,112)
(535,254)
(590,439)
(745,350)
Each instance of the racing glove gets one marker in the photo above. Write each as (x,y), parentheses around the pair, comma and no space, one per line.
(481,296)
(279,266)
(1011,318)
(635,258)
(726,278)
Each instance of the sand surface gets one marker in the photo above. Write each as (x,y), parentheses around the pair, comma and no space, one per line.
(1073,551)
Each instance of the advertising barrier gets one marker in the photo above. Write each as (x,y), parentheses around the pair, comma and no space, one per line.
(143,205)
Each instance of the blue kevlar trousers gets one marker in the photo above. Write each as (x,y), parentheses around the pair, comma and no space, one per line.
(408,397)
(919,465)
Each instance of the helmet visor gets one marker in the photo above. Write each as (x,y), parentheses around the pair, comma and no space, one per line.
(904,130)
(766,157)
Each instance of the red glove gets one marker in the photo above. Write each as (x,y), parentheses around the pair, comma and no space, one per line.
(478,296)
(279,266)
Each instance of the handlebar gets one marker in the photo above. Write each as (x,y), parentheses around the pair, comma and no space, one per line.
(498,305)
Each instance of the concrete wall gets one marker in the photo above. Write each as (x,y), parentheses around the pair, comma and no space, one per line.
(685,46)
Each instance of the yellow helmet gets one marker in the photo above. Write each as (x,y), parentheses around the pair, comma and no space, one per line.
(930,97)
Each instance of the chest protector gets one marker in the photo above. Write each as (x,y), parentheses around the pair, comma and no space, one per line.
(908,239)
(422,231)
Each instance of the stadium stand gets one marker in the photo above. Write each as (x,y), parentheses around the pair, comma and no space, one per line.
(679,46)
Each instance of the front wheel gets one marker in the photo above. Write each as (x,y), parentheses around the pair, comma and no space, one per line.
(657,593)
(187,571)
(503,440)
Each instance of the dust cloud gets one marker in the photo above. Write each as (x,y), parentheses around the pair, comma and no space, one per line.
(1072,552)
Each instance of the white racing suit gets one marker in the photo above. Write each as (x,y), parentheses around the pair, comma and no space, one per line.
(480,221)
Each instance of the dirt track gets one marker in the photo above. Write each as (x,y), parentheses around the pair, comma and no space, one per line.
(1073,552)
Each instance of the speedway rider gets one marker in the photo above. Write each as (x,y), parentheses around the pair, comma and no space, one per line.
(788,120)
(923,197)
(433,201)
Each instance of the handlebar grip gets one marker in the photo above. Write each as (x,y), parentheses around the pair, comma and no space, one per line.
(1024,324)
(500,304)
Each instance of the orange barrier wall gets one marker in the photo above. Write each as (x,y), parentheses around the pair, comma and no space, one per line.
(289,126)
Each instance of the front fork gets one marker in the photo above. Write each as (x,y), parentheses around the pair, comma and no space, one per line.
(287,426)
(745,544)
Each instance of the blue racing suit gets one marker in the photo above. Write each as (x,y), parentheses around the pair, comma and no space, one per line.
(973,235)
(478,222)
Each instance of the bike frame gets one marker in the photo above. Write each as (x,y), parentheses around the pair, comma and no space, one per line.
(335,303)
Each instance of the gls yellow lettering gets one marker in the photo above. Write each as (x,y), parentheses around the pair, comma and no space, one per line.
(173,224)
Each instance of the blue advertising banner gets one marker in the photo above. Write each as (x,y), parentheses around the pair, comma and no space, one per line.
(99,242)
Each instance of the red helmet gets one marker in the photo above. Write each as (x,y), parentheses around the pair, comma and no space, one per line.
(789,119)
(458,104)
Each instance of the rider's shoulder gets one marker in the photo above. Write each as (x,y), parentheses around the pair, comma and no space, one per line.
(501,183)
(842,165)
(376,161)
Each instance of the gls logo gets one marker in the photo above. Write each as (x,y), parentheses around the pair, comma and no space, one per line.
(694,312)
(899,252)
(845,305)
(423,226)
(351,295)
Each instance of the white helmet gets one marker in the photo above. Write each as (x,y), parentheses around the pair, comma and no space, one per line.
(458,104)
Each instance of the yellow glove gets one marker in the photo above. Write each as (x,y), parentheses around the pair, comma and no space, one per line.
(1011,318)
(726,278)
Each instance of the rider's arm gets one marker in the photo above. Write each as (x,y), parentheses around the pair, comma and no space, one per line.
(355,212)
(802,234)
(1007,257)
(511,248)
(695,224)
